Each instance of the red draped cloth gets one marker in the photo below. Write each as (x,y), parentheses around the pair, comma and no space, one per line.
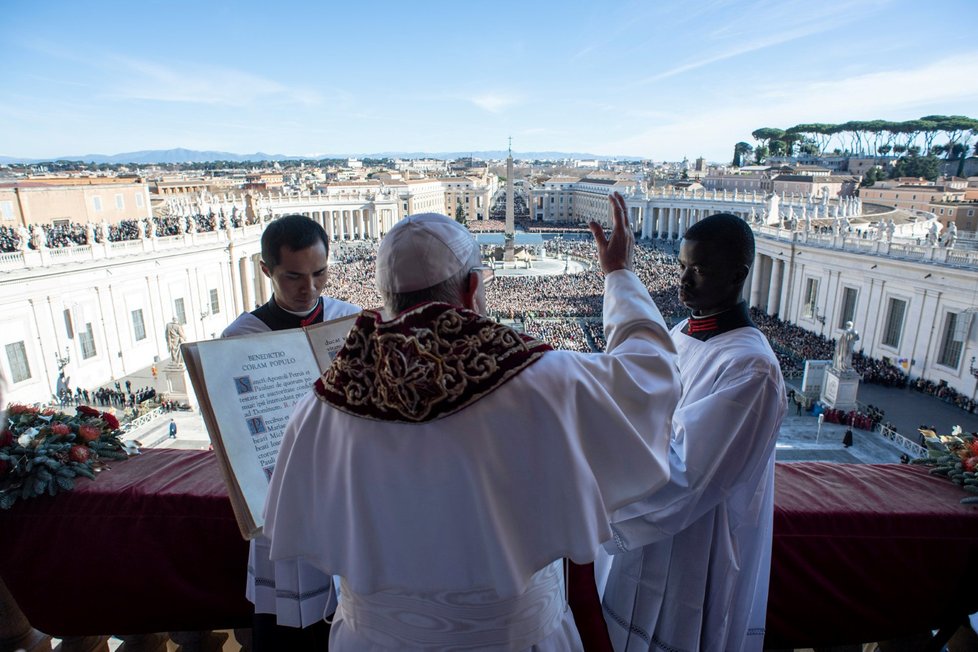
(861,552)
(868,552)
(150,546)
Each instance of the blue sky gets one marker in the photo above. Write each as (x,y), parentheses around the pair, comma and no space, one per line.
(657,79)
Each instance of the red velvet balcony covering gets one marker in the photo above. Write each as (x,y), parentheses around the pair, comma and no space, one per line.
(867,552)
(151,546)
(861,552)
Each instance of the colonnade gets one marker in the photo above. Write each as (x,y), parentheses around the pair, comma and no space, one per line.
(349,223)
(670,222)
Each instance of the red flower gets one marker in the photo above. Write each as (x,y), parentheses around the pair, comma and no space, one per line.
(49,412)
(970,464)
(18,408)
(58,428)
(974,446)
(110,421)
(6,438)
(88,411)
(79,453)
(88,433)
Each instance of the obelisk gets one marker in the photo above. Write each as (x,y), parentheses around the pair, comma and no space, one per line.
(509,233)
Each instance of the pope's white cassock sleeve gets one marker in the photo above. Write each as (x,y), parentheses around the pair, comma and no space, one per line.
(472,506)
(691,562)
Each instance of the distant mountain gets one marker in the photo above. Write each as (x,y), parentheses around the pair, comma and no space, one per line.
(181,155)
(178,155)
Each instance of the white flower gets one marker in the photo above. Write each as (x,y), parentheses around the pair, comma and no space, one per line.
(27,437)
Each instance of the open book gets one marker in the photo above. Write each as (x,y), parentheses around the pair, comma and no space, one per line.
(246,387)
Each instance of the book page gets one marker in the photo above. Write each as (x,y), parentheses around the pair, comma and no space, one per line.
(253,383)
(327,338)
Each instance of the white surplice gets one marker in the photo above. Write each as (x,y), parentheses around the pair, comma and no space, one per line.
(297,593)
(446,532)
(691,562)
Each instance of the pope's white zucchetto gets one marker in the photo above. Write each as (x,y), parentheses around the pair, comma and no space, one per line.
(422,251)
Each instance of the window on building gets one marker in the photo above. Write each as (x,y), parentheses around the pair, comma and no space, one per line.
(6,210)
(953,340)
(811,297)
(17,358)
(180,310)
(215,303)
(120,202)
(894,322)
(87,340)
(138,327)
(97,204)
(848,306)
(139,200)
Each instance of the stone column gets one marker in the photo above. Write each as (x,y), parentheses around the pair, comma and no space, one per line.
(235,280)
(755,281)
(260,295)
(774,289)
(245,270)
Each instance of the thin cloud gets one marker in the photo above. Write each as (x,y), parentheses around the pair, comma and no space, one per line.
(494,102)
(147,80)
(784,21)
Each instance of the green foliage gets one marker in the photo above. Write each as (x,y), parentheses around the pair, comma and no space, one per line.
(741,150)
(43,452)
(874,174)
(871,135)
(927,167)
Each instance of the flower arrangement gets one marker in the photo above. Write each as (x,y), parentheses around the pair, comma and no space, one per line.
(954,457)
(43,451)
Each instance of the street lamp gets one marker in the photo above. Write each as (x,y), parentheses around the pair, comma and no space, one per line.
(64,361)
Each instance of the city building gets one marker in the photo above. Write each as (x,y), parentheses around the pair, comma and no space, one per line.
(82,200)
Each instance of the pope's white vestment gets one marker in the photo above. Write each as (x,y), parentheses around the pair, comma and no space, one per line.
(448,533)
(297,593)
(691,562)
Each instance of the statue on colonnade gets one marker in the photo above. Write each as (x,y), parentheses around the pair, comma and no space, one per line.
(951,235)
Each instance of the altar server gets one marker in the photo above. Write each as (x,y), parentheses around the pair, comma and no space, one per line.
(691,562)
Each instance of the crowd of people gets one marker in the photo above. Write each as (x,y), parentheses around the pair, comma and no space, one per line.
(945,393)
(569,334)
(75,234)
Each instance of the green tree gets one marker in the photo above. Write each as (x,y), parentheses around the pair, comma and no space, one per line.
(928,167)
(460,214)
(873,175)
(741,151)
(760,153)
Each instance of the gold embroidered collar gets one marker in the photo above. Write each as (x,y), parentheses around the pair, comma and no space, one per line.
(430,361)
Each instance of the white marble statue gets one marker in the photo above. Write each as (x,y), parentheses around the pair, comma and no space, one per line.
(174,338)
(38,241)
(842,360)
(23,237)
(951,235)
